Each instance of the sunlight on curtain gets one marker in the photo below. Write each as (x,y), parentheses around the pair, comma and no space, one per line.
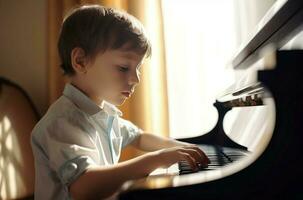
(199,40)
(153,80)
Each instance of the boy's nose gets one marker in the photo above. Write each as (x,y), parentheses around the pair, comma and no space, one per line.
(134,79)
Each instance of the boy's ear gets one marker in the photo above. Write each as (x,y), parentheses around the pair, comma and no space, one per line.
(79,60)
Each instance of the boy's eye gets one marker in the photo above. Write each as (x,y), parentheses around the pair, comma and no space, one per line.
(123,69)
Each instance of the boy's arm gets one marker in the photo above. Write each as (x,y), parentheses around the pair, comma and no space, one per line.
(150,142)
(101,182)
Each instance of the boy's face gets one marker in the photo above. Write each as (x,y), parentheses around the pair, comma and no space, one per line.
(113,75)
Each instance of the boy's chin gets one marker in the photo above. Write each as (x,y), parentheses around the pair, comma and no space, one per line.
(119,102)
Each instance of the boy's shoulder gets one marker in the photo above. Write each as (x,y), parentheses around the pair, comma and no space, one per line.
(61,110)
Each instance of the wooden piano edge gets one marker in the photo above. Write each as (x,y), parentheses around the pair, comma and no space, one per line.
(174,180)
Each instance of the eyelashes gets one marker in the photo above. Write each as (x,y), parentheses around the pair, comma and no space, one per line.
(126,69)
(123,68)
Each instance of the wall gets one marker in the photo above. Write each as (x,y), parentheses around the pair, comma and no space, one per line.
(23,46)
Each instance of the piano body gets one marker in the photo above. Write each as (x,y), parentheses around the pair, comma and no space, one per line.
(271,170)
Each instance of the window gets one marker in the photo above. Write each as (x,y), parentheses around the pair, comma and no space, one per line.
(201,38)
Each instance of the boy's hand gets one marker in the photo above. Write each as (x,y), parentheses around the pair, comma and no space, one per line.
(189,153)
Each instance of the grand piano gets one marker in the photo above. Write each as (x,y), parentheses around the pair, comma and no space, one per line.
(271,63)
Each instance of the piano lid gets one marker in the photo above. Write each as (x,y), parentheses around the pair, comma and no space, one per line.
(277,27)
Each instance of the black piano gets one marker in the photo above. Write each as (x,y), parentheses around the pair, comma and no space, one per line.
(272,168)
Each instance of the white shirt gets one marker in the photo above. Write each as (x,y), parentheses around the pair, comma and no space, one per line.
(75,134)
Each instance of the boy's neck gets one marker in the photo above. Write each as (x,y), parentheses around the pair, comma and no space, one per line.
(85,91)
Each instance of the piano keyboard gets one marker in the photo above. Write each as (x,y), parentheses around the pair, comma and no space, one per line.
(219,157)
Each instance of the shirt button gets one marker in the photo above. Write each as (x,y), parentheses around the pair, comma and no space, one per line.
(71,169)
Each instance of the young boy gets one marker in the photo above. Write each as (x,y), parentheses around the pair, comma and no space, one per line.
(77,143)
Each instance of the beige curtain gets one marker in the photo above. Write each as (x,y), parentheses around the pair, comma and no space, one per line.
(148,106)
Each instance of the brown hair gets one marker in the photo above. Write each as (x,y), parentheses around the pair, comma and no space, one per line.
(95,28)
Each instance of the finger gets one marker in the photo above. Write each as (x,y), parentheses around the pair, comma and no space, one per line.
(195,154)
(204,154)
(190,160)
(200,152)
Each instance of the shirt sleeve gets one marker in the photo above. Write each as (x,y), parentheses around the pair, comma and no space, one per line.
(129,131)
(70,149)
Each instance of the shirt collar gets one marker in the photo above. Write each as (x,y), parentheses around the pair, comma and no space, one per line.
(111,109)
(86,104)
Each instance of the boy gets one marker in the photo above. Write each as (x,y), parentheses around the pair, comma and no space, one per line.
(77,143)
